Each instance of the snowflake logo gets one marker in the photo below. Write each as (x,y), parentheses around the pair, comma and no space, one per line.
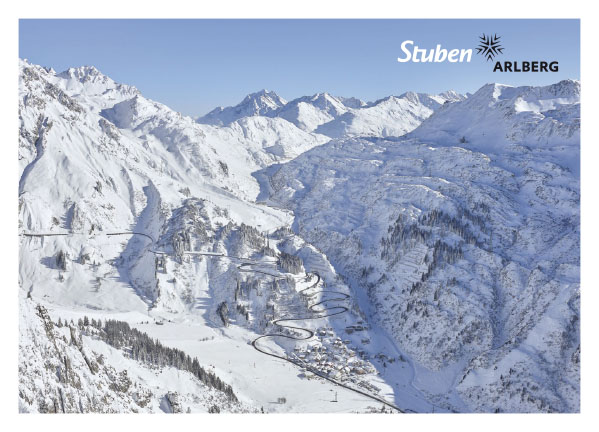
(489,46)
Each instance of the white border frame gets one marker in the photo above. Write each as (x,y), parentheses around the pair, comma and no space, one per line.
(307,9)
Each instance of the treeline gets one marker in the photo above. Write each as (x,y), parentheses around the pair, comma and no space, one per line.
(446,253)
(442,252)
(290,263)
(457,225)
(282,232)
(251,236)
(141,347)
(268,251)
(404,233)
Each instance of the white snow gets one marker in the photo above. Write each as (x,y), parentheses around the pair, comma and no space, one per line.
(337,182)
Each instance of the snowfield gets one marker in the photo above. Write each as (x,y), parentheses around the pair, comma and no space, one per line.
(426,248)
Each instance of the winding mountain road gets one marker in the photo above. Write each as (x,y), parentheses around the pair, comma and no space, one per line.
(319,308)
(308,334)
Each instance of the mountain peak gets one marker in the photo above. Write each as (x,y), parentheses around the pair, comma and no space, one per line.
(262,102)
(83,74)
(263,92)
(102,90)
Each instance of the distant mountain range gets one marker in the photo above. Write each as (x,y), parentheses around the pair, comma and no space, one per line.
(336,116)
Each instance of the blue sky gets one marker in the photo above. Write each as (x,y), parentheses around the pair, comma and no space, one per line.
(195,65)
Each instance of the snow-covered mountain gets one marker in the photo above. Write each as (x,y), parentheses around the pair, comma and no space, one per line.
(336,116)
(539,116)
(263,102)
(309,112)
(463,237)
(144,221)
(448,257)
(391,116)
(306,112)
(90,82)
(433,101)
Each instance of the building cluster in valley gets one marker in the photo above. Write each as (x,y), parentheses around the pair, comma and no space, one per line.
(336,358)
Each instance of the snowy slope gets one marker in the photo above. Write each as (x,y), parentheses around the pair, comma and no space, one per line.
(496,114)
(226,156)
(454,248)
(125,164)
(391,116)
(142,205)
(90,82)
(467,251)
(309,112)
(63,371)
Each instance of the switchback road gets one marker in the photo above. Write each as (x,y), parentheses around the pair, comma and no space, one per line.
(319,309)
